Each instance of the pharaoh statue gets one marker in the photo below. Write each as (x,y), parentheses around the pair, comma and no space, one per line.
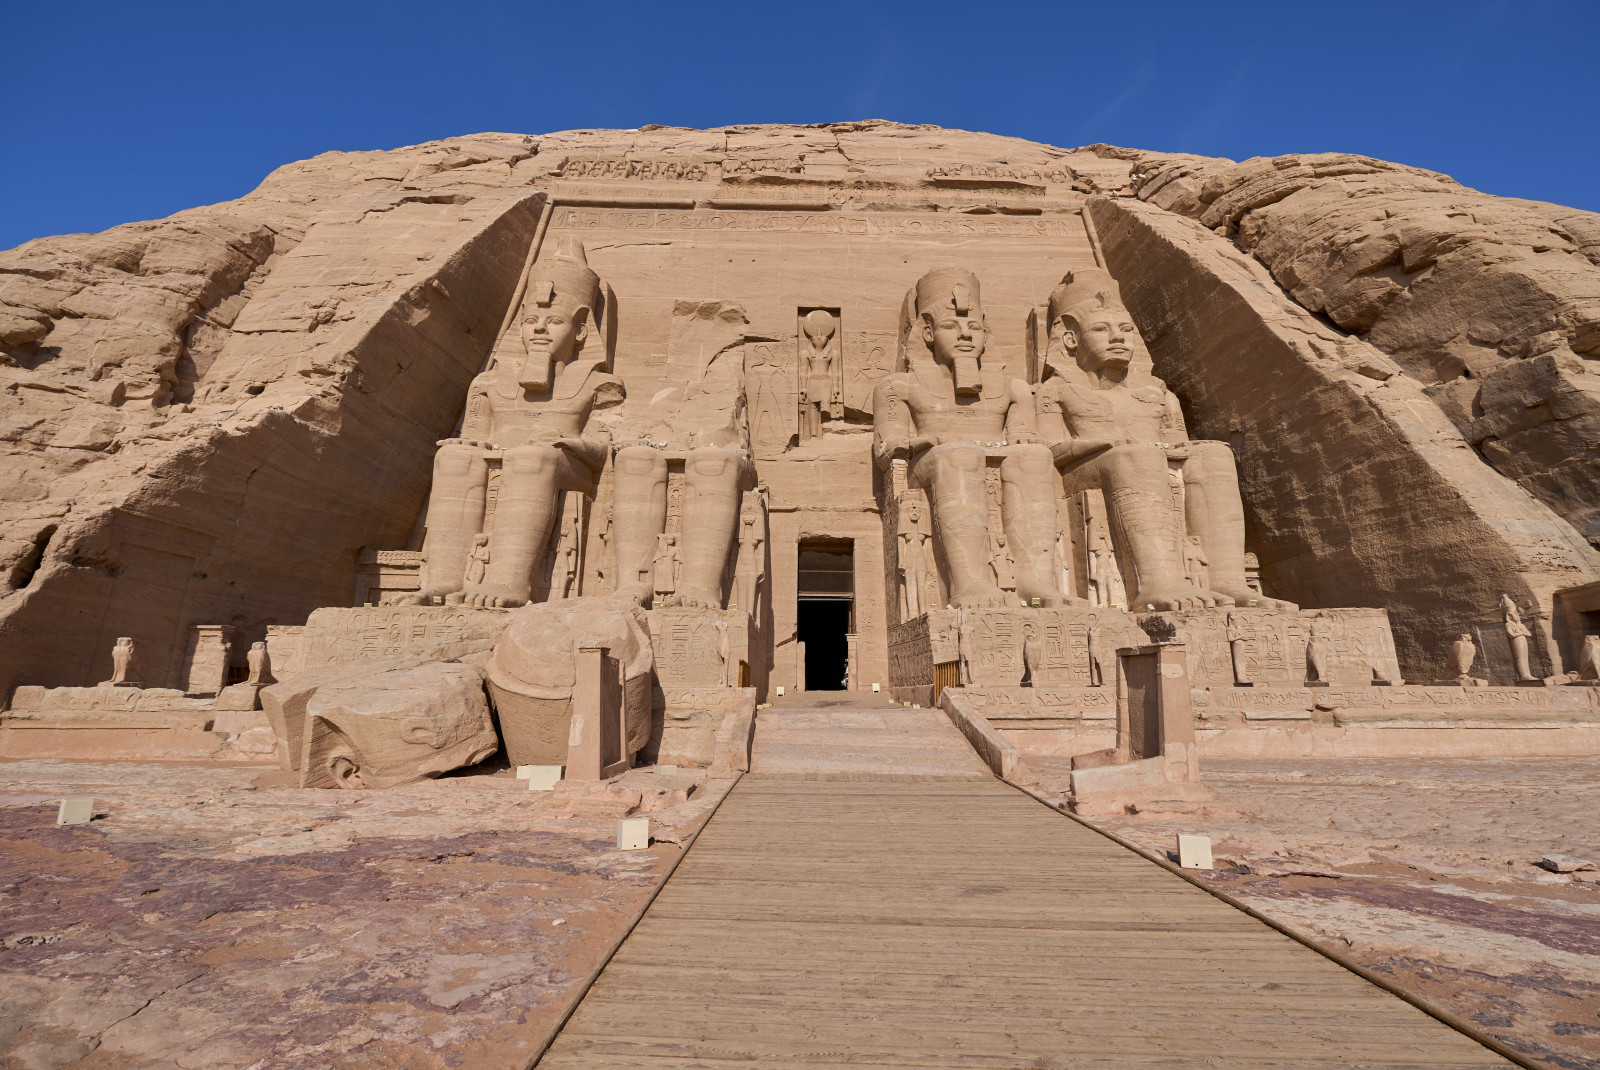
(533,415)
(1319,653)
(1114,426)
(1517,634)
(1240,635)
(913,560)
(1097,652)
(947,413)
(667,567)
(750,567)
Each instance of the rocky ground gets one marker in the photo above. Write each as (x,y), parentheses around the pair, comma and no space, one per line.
(208,918)
(1426,872)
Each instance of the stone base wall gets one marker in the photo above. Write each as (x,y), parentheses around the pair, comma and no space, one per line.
(1358,640)
(1336,722)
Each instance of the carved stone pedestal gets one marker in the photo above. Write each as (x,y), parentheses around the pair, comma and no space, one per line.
(698,657)
(995,647)
(1273,653)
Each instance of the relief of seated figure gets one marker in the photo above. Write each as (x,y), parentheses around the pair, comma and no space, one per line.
(534,414)
(1112,425)
(946,415)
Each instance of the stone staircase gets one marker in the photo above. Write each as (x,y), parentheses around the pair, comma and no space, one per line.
(842,738)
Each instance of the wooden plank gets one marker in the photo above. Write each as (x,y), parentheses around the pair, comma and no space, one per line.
(940,923)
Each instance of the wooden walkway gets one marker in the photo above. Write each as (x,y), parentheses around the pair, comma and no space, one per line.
(956,923)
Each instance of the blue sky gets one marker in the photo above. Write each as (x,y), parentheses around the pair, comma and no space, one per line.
(118,112)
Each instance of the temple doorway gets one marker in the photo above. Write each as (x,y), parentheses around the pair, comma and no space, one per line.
(825,615)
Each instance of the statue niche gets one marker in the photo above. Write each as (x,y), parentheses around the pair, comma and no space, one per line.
(530,418)
(1114,427)
(949,415)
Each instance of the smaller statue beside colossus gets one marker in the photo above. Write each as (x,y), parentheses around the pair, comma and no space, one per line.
(947,414)
(1113,426)
(533,414)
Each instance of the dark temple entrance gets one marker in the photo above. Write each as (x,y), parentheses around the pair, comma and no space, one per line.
(826,610)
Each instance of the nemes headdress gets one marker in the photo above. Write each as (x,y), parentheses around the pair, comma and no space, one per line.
(1087,286)
(565,275)
(946,289)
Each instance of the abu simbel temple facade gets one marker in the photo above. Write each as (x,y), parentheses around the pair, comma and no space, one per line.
(586,446)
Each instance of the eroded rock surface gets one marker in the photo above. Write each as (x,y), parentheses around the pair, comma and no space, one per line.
(1425,872)
(201,920)
(1462,289)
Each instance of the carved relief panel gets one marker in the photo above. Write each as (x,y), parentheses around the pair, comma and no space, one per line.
(771,397)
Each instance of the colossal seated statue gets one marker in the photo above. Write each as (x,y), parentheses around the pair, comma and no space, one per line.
(533,417)
(1113,426)
(948,414)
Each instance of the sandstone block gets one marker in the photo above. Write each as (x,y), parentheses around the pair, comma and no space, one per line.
(533,672)
(391,726)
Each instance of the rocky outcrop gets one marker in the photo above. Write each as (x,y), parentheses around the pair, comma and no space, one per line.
(1458,287)
(210,415)
(1358,490)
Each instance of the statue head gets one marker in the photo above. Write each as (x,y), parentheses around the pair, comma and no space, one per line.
(951,311)
(1095,328)
(557,310)
(818,327)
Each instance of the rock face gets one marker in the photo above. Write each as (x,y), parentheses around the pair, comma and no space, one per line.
(1492,305)
(231,417)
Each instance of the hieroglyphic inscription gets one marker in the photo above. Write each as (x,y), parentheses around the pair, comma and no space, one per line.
(878,224)
(1275,647)
(910,655)
(1005,172)
(338,636)
(687,645)
(643,170)
(783,165)
(997,636)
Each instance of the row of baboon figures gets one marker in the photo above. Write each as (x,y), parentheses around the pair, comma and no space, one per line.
(941,422)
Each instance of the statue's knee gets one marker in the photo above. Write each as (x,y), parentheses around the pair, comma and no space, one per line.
(963,458)
(531,460)
(456,458)
(640,461)
(1209,459)
(711,460)
(1127,460)
(1031,458)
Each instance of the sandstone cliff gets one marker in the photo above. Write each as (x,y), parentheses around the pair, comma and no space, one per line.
(209,416)
(1491,304)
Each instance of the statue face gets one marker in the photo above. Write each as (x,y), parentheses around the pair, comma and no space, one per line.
(551,337)
(1102,340)
(954,337)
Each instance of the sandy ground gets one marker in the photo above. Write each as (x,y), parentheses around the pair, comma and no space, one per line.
(208,919)
(1424,871)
